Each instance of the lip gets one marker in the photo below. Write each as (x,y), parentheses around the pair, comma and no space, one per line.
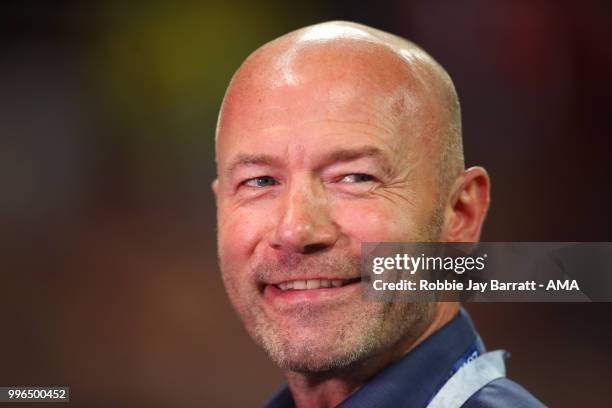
(280,297)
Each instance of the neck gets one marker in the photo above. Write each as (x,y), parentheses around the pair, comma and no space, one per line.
(322,390)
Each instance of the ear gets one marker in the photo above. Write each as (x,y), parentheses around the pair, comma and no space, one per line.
(467,207)
(215,187)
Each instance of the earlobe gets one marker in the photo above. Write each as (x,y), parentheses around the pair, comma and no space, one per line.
(468,206)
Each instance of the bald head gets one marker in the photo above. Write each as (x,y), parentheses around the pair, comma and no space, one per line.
(413,92)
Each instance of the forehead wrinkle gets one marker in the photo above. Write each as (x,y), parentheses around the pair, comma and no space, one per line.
(377,127)
(381,111)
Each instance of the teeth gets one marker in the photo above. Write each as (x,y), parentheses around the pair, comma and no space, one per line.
(299,284)
(313,284)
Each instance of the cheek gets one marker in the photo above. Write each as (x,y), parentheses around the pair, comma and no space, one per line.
(239,232)
(377,221)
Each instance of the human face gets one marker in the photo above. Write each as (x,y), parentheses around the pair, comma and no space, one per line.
(308,171)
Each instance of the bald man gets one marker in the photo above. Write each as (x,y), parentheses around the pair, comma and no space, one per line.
(330,136)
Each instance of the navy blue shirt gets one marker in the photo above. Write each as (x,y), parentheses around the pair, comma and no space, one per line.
(415,378)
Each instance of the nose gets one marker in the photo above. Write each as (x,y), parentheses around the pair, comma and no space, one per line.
(305,225)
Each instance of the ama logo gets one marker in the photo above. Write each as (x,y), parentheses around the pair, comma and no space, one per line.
(562,285)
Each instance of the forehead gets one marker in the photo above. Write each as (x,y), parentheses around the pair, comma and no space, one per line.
(321,87)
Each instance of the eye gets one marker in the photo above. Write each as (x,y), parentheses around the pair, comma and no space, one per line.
(263,181)
(357,178)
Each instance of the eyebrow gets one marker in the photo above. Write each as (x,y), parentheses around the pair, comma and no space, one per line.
(245,159)
(340,155)
(347,155)
(344,155)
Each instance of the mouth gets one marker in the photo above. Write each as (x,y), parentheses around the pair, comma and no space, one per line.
(312,292)
(312,284)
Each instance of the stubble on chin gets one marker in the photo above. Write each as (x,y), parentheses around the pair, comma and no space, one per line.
(348,342)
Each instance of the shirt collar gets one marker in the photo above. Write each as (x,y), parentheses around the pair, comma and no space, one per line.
(414,379)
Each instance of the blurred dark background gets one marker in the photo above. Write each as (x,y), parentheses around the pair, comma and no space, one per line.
(108,274)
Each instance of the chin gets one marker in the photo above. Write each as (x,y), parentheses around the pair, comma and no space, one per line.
(307,362)
(320,352)
(314,345)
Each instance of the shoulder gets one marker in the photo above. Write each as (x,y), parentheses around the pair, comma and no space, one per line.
(502,393)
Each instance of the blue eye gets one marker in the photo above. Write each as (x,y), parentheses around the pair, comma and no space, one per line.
(263,181)
(357,178)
